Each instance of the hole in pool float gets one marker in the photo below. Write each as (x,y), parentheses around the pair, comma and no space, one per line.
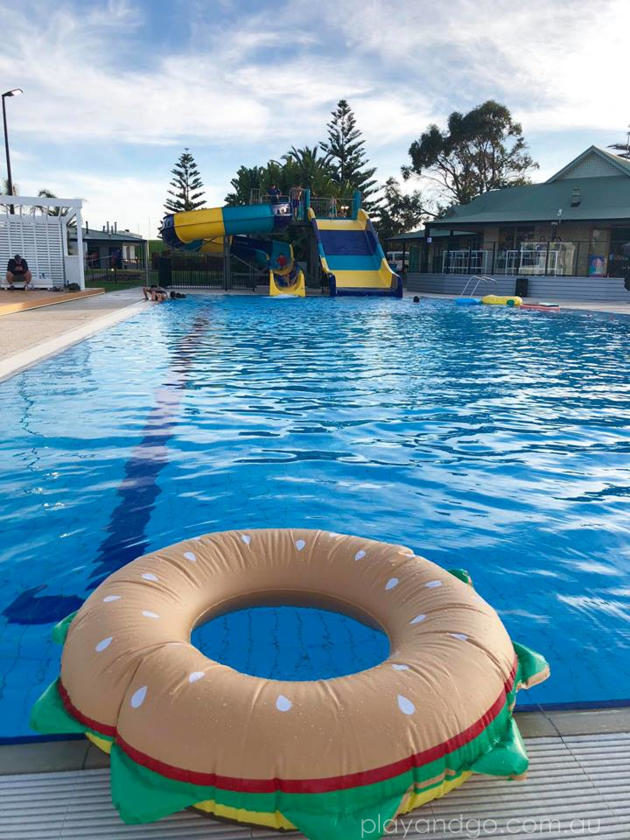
(290,642)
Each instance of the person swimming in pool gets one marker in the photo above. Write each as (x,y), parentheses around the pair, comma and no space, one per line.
(156,294)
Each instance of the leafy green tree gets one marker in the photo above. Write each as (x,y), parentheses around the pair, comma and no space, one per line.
(307,168)
(186,192)
(345,150)
(247,178)
(304,167)
(399,212)
(479,151)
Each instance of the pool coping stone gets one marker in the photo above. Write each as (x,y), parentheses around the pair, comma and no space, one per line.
(56,756)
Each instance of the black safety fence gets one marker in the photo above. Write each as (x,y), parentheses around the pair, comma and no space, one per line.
(192,273)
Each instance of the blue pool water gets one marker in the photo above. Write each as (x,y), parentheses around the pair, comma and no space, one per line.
(484,438)
(291,643)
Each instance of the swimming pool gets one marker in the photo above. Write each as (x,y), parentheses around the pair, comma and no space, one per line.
(484,438)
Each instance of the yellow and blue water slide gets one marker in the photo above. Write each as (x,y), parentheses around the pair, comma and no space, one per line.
(205,231)
(196,226)
(352,257)
(286,278)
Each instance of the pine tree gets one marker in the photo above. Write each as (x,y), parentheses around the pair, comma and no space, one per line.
(345,150)
(622,149)
(187,185)
(399,212)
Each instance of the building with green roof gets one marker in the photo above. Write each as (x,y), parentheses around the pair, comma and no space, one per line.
(569,236)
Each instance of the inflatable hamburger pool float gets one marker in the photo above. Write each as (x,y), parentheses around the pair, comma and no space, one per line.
(325,756)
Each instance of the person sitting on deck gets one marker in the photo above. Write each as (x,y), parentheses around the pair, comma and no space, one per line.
(155,293)
(17,271)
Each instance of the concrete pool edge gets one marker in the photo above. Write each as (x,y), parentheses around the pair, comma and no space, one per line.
(593,307)
(79,754)
(24,359)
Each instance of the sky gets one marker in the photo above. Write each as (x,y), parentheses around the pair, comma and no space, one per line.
(114,90)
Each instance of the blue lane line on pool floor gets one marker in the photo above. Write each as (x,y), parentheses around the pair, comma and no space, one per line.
(126,538)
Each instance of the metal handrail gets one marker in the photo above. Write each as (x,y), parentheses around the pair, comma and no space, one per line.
(479,278)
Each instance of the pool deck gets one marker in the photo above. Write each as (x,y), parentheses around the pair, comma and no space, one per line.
(28,336)
(21,301)
(611,307)
(578,785)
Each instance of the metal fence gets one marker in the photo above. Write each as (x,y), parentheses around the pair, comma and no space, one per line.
(466,261)
(324,207)
(294,202)
(552,259)
(204,279)
(94,276)
(331,207)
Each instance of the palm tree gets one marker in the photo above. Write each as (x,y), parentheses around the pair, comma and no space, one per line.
(311,169)
(51,211)
(54,211)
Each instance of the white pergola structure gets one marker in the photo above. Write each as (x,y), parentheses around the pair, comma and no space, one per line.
(38,229)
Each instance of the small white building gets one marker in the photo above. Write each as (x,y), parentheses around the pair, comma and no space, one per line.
(47,233)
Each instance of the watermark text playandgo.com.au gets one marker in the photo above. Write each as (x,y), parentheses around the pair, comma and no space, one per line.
(474,828)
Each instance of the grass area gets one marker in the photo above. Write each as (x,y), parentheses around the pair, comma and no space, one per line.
(111,283)
(113,287)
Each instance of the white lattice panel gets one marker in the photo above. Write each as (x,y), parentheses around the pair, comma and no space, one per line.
(39,239)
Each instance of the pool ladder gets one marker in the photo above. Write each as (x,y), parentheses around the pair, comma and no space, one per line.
(479,278)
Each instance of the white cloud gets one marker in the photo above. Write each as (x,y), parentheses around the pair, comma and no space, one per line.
(134,203)
(556,63)
(270,79)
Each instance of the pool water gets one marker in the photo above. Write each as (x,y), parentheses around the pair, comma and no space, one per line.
(483,438)
(291,643)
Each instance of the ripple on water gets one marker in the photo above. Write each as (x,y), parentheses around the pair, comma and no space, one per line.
(486,438)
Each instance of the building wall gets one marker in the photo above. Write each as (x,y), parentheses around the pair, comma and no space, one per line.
(128,252)
(491,238)
(542,288)
(579,288)
(457,284)
(579,233)
(592,166)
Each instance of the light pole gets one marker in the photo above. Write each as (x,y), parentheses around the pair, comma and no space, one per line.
(14,92)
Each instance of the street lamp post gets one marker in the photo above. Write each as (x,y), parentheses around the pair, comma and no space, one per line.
(14,92)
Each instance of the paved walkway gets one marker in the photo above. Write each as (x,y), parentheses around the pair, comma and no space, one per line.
(19,300)
(27,337)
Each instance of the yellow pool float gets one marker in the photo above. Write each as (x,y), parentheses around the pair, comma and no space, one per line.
(503,300)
